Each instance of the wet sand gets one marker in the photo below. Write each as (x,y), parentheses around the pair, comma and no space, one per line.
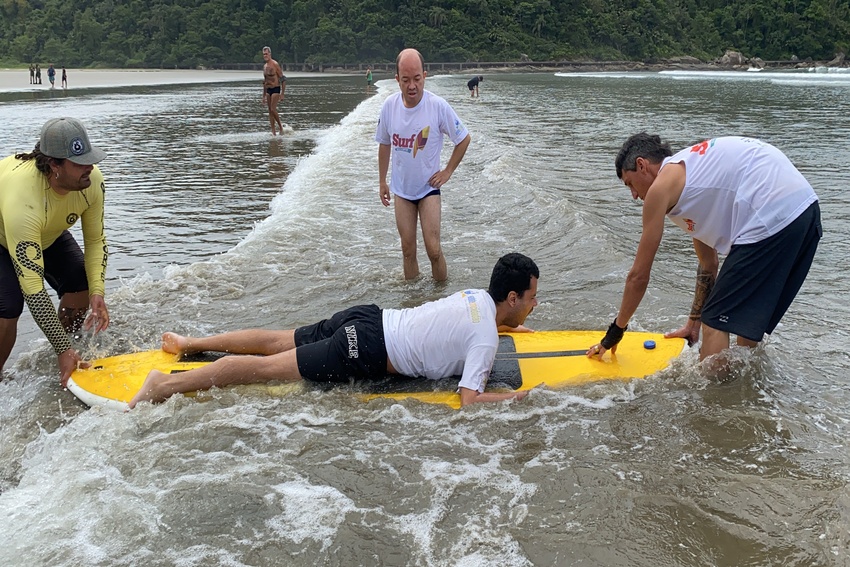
(12,80)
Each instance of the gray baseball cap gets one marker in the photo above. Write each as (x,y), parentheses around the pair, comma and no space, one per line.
(66,138)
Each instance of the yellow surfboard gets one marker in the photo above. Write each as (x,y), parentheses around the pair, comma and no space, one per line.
(524,361)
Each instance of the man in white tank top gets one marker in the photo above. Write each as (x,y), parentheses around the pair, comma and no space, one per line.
(736,196)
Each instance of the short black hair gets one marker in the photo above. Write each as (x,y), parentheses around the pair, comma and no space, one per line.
(513,272)
(643,145)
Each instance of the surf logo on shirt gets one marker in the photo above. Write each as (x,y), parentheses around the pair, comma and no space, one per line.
(413,143)
(72,218)
(692,224)
(474,312)
(421,140)
(351,334)
(702,147)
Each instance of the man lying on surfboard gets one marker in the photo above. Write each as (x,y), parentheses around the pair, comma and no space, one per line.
(456,335)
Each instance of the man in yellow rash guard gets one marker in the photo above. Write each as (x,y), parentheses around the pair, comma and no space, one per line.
(42,194)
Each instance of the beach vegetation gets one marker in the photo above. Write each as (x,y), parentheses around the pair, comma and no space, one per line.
(191,33)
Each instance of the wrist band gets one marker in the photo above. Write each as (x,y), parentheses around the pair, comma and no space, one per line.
(613,336)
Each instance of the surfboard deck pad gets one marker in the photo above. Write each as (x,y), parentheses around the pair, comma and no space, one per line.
(524,361)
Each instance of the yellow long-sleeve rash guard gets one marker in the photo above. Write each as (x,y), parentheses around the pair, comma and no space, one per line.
(32,217)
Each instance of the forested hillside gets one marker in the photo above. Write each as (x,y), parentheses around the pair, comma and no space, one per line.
(188,33)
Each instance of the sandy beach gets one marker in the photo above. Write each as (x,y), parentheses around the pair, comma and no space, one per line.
(12,80)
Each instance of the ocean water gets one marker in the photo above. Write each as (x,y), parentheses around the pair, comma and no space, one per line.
(214,225)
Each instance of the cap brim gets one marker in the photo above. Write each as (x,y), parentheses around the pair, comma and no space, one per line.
(95,155)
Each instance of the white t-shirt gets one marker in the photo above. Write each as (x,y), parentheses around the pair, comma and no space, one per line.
(738,191)
(456,335)
(416,139)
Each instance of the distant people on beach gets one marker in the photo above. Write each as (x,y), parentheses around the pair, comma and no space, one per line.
(410,131)
(274,85)
(37,74)
(51,75)
(32,74)
(64,78)
(368,79)
(472,85)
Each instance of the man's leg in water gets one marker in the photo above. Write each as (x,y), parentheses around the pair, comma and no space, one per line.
(712,351)
(227,371)
(406,214)
(275,100)
(429,217)
(274,117)
(271,115)
(8,334)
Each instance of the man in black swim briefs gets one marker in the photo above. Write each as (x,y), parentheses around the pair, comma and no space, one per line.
(274,83)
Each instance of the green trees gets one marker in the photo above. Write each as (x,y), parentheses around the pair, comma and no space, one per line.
(187,33)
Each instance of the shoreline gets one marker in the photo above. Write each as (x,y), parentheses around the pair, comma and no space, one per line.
(17,80)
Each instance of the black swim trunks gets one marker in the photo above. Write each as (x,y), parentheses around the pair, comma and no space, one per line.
(272,90)
(348,345)
(64,271)
(758,281)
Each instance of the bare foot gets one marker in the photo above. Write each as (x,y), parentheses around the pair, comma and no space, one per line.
(175,344)
(149,392)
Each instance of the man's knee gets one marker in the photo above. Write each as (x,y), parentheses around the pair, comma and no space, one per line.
(72,318)
(435,254)
(408,242)
(408,251)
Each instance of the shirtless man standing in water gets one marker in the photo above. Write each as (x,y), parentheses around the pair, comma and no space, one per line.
(274,83)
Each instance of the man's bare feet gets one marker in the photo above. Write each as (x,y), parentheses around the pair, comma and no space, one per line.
(150,390)
(175,344)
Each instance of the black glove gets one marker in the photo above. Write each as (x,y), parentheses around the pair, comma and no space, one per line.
(614,335)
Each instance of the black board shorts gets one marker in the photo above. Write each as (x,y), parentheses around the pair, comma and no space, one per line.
(348,345)
(758,281)
(64,271)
